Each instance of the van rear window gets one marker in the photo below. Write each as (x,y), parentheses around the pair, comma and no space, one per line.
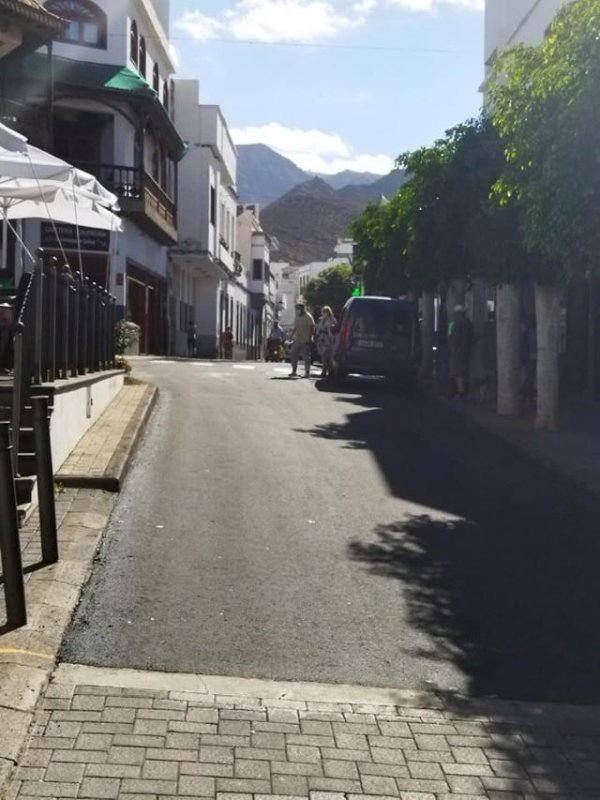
(377,322)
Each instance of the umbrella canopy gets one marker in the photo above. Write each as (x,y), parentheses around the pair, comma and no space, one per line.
(19,159)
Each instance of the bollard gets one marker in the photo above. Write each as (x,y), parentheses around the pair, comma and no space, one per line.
(10,546)
(45,476)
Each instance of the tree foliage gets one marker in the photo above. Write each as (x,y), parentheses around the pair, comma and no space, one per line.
(544,103)
(332,287)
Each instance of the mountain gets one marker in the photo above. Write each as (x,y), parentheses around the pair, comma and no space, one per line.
(264,175)
(386,185)
(349,178)
(308,220)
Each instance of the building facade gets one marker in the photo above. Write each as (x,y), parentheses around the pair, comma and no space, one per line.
(206,271)
(110,112)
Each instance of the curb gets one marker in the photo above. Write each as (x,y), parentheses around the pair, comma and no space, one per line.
(118,467)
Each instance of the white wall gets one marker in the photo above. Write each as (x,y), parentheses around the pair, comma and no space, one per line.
(511,22)
(77,405)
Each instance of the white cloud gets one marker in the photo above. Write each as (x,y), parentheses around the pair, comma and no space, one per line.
(299,21)
(313,150)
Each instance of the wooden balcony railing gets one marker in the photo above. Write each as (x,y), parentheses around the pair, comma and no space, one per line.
(139,194)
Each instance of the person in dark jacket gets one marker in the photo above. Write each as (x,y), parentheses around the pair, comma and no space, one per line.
(461,339)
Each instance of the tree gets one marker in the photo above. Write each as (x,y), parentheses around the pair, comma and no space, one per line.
(544,106)
(332,287)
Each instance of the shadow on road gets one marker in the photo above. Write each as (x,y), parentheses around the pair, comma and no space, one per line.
(502,569)
(501,572)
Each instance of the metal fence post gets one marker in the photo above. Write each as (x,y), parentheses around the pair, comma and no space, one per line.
(10,546)
(39,313)
(51,332)
(45,476)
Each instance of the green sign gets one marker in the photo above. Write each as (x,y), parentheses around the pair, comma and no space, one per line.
(6,284)
(356,292)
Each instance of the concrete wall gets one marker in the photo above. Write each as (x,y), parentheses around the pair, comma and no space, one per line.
(77,405)
(511,22)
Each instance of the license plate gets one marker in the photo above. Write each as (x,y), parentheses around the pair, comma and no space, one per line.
(368,343)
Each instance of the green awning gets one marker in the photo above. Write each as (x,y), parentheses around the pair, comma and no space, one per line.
(113,79)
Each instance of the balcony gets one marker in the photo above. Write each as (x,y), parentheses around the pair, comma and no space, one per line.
(140,198)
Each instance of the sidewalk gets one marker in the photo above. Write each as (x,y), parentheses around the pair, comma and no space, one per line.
(104,733)
(572,452)
(28,654)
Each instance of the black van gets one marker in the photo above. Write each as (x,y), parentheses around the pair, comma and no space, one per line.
(378,336)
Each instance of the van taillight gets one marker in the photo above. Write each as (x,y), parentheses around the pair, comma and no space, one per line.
(345,334)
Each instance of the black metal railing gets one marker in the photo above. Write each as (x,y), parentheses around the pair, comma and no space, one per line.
(134,183)
(65,326)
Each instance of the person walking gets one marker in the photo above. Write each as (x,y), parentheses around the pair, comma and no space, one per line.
(461,339)
(304,328)
(227,343)
(325,336)
(192,335)
(275,342)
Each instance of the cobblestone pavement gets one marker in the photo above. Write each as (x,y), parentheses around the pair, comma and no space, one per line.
(95,450)
(113,739)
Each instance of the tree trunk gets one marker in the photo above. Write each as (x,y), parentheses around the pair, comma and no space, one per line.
(508,308)
(547,312)
(427,335)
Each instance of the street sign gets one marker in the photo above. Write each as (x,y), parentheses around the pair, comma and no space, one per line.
(357,292)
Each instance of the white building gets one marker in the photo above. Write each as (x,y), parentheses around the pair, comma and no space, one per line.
(342,254)
(112,115)
(255,248)
(288,291)
(206,268)
(512,22)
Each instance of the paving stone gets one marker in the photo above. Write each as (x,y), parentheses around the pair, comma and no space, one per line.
(285,715)
(248,715)
(297,768)
(382,756)
(30,773)
(141,786)
(378,784)
(176,726)
(387,770)
(94,741)
(234,728)
(196,786)
(233,796)
(80,756)
(99,788)
(349,741)
(421,785)
(431,742)
(313,727)
(150,727)
(128,702)
(276,727)
(126,755)
(112,771)
(243,785)
(209,770)
(394,729)
(181,741)
(259,753)
(428,770)
(160,770)
(469,755)
(334,785)
(36,758)
(478,770)
(218,755)
(344,755)
(392,742)
(305,740)
(295,785)
(299,753)
(269,740)
(259,770)
(46,789)
(58,772)
(131,740)
(340,769)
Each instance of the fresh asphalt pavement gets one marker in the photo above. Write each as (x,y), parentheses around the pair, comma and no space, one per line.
(288,529)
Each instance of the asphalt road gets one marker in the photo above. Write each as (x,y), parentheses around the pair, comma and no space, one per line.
(276,528)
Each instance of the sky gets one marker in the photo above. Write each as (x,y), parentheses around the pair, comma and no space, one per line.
(334,84)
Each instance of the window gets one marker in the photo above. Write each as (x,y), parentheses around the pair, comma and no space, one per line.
(143,54)
(166,95)
(87,22)
(257,269)
(134,43)
(213,205)
(155,79)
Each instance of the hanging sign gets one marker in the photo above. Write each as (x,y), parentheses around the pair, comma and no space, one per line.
(90,239)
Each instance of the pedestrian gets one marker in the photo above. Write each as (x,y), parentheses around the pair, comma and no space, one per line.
(192,335)
(304,328)
(325,336)
(275,342)
(227,343)
(461,339)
